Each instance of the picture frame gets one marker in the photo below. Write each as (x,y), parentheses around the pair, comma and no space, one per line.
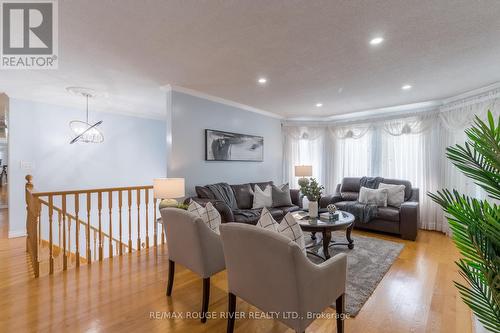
(229,146)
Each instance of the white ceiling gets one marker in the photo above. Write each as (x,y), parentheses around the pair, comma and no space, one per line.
(310,51)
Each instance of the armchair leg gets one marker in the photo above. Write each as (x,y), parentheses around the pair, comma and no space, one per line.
(339,308)
(206,297)
(171,271)
(231,312)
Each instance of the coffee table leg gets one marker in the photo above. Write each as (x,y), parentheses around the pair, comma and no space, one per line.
(348,236)
(327,237)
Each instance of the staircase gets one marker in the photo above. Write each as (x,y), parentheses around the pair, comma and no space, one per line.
(67,229)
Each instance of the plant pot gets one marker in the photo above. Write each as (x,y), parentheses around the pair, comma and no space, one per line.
(313,208)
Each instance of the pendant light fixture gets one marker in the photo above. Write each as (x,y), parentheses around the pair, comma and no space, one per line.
(85,131)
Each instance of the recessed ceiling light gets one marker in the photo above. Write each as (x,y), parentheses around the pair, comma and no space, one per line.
(262,80)
(376,41)
(318,105)
(406,87)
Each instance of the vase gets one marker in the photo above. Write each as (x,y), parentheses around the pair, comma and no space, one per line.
(313,208)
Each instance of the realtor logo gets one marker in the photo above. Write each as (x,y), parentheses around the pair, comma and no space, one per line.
(29,38)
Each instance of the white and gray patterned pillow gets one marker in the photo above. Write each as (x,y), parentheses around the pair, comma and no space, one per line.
(288,227)
(267,221)
(208,214)
(291,229)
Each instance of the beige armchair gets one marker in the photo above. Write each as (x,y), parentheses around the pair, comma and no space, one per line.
(270,271)
(192,244)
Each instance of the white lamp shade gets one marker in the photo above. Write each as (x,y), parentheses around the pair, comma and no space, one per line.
(303,170)
(168,188)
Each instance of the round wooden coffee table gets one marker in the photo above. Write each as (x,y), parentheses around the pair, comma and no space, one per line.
(325,226)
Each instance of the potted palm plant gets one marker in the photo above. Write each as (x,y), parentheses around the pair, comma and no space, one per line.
(475,223)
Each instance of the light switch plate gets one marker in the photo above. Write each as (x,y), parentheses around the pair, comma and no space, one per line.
(27,166)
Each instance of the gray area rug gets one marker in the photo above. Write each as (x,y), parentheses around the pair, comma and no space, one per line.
(367,264)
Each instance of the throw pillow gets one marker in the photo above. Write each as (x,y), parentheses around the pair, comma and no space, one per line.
(208,214)
(395,194)
(244,195)
(281,195)
(291,229)
(262,198)
(288,227)
(267,221)
(373,196)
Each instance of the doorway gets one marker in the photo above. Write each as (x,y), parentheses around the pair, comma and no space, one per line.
(4,178)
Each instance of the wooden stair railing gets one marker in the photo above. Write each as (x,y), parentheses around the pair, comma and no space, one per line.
(54,219)
(66,233)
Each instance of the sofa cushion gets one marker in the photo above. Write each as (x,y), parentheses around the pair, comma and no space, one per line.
(349,196)
(350,184)
(341,205)
(288,209)
(262,185)
(204,193)
(281,195)
(244,195)
(251,216)
(406,183)
(388,214)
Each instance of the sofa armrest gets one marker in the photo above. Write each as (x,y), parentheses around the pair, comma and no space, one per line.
(409,218)
(224,210)
(296,198)
(329,199)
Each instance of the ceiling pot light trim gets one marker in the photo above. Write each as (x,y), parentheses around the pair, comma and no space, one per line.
(406,87)
(85,131)
(376,41)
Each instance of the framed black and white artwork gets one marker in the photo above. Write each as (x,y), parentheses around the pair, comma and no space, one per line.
(227,146)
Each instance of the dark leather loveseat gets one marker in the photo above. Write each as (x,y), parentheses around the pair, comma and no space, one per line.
(402,221)
(243,194)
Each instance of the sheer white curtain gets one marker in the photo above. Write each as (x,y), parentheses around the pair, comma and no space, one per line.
(411,149)
(303,146)
(455,119)
(348,155)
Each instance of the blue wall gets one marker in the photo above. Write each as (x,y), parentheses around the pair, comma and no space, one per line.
(191,115)
(133,153)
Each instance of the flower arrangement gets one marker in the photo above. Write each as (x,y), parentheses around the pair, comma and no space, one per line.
(311,189)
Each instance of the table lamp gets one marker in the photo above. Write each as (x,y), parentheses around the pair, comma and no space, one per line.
(303,171)
(168,189)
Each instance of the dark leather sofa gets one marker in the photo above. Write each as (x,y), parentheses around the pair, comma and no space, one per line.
(244,199)
(402,221)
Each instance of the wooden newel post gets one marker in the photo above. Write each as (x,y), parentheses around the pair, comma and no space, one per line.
(29,182)
(28,188)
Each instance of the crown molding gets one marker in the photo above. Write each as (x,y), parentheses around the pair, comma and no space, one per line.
(372,114)
(220,100)
(486,92)
(472,93)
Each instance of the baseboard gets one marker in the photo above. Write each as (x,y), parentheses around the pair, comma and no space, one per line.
(17,233)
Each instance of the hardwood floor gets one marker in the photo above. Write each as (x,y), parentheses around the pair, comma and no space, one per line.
(127,294)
